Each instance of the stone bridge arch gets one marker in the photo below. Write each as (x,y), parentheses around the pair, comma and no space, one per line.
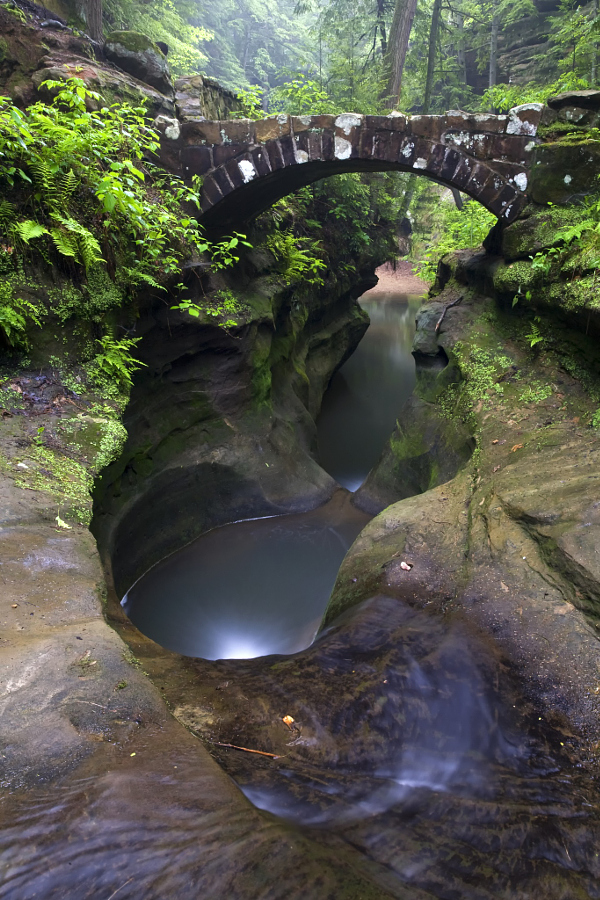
(247,165)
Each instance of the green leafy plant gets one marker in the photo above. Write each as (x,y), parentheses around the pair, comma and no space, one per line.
(251,100)
(457,229)
(15,316)
(115,361)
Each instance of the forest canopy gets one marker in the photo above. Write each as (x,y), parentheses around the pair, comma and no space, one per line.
(374,55)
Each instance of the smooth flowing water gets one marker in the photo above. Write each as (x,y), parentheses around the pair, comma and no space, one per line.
(259,587)
(366,395)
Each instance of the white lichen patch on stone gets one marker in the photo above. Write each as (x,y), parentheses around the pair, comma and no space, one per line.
(521,181)
(568,179)
(301,156)
(306,120)
(170,127)
(529,146)
(347,121)
(420,163)
(282,118)
(406,151)
(343,148)
(247,169)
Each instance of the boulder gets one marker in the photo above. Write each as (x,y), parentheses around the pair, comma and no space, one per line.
(139,56)
(589,99)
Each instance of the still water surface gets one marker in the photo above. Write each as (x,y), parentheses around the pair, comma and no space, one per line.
(259,587)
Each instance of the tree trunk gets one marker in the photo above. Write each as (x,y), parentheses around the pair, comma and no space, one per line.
(433,42)
(381,26)
(91,13)
(404,14)
(494,49)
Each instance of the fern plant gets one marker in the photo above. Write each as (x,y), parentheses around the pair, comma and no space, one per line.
(116,361)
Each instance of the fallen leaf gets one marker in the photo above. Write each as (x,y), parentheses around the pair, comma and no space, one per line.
(504,586)
(576,420)
(287,720)
(496,441)
(495,469)
(61,524)
(517,447)
(406,566)
(14,605)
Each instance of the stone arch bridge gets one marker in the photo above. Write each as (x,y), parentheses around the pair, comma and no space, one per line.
(247,165)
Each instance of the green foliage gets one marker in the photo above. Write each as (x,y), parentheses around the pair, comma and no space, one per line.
(95,198)
(456,229)
(221,305)
(596,419)
(301,96)
(251,99)
(115,361)
(503,97)
(15,316)
(163,20)
(296,257)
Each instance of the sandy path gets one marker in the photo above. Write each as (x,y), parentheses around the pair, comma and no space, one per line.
(401,280)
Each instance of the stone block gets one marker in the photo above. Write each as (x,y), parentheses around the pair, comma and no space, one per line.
(315,145)
(369,137)
(300,124)
(288,150)
(524,119)
(398,122)
(275,155)
(273,128)
(236,175)
(463,172)
(302,142)
(429,127)
(196,160)
(201,132)
(515,173)
(261,160)
(589,99)
(435,163)
(479,177)
(379,123)
(211,193)
(222,180)
(474,143)
(514,148)
(450,164)
(561,171)
(238,131)
(407,151)
(222,153)
(328,143)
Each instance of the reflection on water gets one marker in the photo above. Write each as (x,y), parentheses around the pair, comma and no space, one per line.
(366,395)
(247,589)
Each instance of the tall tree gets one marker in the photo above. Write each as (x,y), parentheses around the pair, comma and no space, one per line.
(404,13)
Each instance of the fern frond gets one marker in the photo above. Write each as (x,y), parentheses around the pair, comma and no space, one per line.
(8,213)
(66,185)
(65,243)
(28,230)
(75,240)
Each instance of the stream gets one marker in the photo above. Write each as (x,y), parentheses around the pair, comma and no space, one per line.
(416,769)
(271,599)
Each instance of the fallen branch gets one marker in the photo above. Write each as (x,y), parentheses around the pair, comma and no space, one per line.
(446,308)
(246,749)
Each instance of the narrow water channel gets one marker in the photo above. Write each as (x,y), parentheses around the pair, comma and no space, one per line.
(259,587)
